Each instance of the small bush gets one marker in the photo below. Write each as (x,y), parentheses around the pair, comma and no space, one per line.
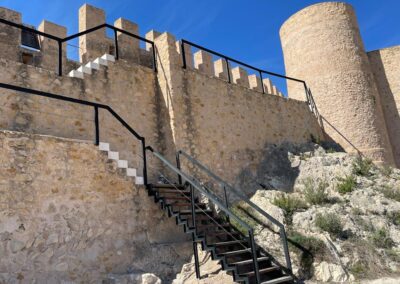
(242,210)
(358,269)
(362,167)
(381,239)
(330,223)
(394,217)
(391,193)
(393,255)
(331,151)
(290,205)
(386,171)
(346,184)
(308,248)
(315,191)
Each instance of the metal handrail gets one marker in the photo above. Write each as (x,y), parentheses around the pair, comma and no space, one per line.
(227,59)
(61,40)
(96,107)
(195,184)
(243,197)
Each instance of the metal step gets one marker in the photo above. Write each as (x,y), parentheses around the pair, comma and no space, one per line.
(261,271)
(235,252)
(227,243)
(197,211)
(167,186)
(248,261)
(279,280)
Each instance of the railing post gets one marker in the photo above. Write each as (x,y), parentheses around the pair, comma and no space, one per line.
(96,123)
(153,49)
(226,198)
(144,161)
(286,250)
(116,44)
(228,69)
(254,254)
(183,55)
(194,234)
(262,83)
(178,166)
(59,58)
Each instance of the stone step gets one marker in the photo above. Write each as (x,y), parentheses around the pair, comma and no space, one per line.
(130,172)
(100,61)
(123,164)
(108,57)
(76,74)
(113,155)
(139,180)
(85,70)
(104,146)
(93,65)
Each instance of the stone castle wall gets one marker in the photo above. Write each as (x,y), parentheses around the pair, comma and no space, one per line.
(68,214)
(385,64)
(323,46)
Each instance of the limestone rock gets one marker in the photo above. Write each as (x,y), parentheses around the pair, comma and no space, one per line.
(329,272)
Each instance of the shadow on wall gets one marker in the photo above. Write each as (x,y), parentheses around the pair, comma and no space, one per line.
(389,107)
(276,170)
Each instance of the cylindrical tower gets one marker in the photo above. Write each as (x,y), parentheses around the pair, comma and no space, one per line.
(322,45)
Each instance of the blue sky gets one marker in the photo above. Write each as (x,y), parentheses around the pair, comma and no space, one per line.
(247,30)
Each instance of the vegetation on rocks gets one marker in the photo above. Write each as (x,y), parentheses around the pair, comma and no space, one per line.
(315,191)
(362,166)
(289,204)
(346,184)
(330,223)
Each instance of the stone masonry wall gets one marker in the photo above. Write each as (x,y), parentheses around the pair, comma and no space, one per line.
(68,214)
(224,125)
(385,64)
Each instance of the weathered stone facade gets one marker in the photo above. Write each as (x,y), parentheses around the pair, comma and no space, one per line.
(68,214)
(322,45)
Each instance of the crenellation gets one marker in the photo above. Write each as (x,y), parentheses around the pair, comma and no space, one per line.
(151,35)
(94,44)
(10,37)
(188,54)
(268,86)
(49,47)
(240,77)
(221,69)
(255,83)
(128,47)
(203,62)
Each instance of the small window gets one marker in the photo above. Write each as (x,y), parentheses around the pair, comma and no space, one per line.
(27,58)
(30,39)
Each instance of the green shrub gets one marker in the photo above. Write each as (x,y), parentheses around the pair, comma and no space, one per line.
(315,191)
(330,223)
(392,254)
(331,150)
(391,193)
(308,248)
(386,170)
(289,204)
(346,184)
(358,269)
(242,210)
(394,217)
(362,166)
(381,239)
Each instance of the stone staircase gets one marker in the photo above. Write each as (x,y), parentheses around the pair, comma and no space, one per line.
(226,243)
(91,65)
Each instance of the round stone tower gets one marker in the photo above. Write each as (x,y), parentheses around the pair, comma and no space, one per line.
(322,45)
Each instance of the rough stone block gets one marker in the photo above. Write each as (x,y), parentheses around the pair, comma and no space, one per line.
(151,35)
(49,47)
(268,86)
(239,76)
(221,69)
(203,62)
(94,44)
(255,82)
(128,47)
(10,38)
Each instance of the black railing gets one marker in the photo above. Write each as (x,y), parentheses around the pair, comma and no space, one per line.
(226,186)
(96,107)
(258,71)
(60,41)
(194,184)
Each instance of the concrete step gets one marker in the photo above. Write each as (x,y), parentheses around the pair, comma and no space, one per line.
(92,65)
(113,155)
(100,61)
(76,74)
(85,70)
(104,146)
(130,172)
(123,164)
(108,57)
